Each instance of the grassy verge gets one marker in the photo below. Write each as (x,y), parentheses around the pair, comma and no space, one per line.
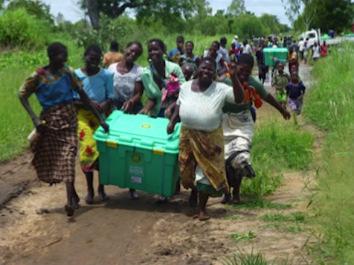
(330,105)
(277,146)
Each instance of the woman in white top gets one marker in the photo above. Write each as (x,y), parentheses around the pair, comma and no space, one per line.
(201,155)
(128,88)
(316,52)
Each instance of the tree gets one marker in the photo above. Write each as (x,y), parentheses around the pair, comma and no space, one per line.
(236,8)
(160,9)
(325,14)
(33,7)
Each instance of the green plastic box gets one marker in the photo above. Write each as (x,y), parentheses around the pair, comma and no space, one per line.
(271,54)
(138,153)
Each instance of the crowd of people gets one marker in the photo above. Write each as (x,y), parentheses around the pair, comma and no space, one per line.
(214,96)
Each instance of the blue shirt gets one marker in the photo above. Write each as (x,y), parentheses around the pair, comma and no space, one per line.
(294,91)
(98,87)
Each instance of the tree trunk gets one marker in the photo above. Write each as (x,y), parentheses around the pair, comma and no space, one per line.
(93,13)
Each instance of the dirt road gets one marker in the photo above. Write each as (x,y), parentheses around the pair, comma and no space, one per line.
(123,231)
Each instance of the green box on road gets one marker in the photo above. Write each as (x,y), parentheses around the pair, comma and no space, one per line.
(138,153)
(271,55)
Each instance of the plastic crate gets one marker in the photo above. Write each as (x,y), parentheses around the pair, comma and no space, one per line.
(138,153)
(273,54)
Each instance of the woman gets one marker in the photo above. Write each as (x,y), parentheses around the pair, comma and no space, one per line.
(127,84)
(213,52)
(189,57)
(201,156)
(98,85)
(324,49)
(55,146)
(161,80)
(127,79)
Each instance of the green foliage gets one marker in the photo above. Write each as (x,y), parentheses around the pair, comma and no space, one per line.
(323,14)
(276,147)
(331,106)
(34,8)
(297,217)
(244,236)
(236,8)
(19,29)
(246,259)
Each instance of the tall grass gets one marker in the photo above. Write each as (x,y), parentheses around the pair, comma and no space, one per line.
(330,105)
(277,146)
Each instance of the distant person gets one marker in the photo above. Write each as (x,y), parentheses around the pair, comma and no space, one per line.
(301,45)
(316,51)
(306,50)
(189,57)
(221,67)
(98,85)
(324,49)
(293,62)
(55,142)
(188,71)
(295,91)
(279,83)
(247,49)
(235,41)
(223,50)
(113,56)
(262,67)
(175,54)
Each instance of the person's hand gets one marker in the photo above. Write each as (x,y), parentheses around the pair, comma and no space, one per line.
(128,106)
(39,124)
(144,111)
(98,107)
(286,114)
(105,127)
(170,127)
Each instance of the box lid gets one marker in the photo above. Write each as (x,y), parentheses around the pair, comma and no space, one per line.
(275,50)
(139,131)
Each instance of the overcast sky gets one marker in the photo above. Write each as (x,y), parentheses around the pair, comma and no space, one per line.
(71,12)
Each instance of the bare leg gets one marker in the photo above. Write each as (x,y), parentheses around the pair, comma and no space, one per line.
(102,193)
(203,200)
(193,198)
(236,189)
(70,190)
(90,191)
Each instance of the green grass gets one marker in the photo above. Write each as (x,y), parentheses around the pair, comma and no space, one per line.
(297,217)
(243,236)
(261,204)
(246,259)
(277,146)
(330,105)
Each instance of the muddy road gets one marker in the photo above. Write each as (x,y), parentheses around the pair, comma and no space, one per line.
(35,230)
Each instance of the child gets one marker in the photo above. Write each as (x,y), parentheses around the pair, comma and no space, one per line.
(279,82)
(295,91)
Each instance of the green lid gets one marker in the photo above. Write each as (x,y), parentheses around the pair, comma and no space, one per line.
(275,50)
(139,131)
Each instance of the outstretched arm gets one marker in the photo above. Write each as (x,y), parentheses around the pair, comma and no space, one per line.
(236,84)
(271,100)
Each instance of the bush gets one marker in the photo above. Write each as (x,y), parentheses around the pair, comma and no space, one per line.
(19,29)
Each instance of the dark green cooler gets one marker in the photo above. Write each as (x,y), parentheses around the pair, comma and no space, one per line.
(138,153)
(271,54)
